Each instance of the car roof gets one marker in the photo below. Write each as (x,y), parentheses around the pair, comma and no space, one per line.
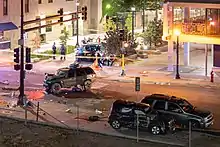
(130,103)
(163,97)
(68,68)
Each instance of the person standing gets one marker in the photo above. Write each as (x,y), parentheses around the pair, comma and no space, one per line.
(63,52)
(54,50)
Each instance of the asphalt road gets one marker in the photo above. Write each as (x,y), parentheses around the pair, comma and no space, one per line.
(205,98)
(202,97)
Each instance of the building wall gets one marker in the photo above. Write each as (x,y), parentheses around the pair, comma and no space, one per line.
(14,16)
(46,9)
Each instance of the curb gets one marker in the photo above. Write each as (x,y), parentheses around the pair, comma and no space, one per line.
(90,131)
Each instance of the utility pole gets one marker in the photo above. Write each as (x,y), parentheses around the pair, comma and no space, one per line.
(77,24)
(21,42)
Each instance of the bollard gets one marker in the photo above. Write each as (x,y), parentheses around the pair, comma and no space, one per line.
(37,111)
(212,77)
(123,65)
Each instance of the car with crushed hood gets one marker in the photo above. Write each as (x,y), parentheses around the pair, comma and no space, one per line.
(69,77)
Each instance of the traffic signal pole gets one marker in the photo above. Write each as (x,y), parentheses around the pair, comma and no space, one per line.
(21,87)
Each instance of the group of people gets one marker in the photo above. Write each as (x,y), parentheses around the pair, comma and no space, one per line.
(62,51)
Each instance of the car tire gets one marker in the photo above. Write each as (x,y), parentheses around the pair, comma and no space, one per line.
(87,85)
(155,129)
(195,124)
(116,124)
(56,88)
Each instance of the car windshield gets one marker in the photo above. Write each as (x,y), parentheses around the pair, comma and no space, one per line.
(185,105)
(60,73)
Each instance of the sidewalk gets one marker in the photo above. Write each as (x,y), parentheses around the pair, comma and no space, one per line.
(157,77)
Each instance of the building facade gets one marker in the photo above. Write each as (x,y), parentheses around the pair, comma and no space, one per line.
(35,9)
(192,21)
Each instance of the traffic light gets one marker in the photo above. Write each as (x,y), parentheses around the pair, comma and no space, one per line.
(16,55)
(28,66)
(28,55)
(61,18)
(121,34)
(84,13)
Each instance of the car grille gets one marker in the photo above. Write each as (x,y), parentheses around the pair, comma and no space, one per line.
(209,118)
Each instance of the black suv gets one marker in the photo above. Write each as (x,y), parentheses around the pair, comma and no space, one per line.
(180,109)
(125,114)
(69,77)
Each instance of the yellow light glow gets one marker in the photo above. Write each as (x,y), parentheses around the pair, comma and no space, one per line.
(212,23)
(177,32)
(126,45)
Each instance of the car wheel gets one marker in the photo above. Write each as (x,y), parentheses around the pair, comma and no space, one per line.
(56,88)
(195,124)
(116,124)
(87,85)
(155,130)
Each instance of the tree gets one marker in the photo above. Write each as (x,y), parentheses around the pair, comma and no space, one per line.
(36,40)
(154,32)
(128,22)
(64,36)
(113,44)
(109,25)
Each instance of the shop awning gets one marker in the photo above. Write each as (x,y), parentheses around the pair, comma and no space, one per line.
(7,26)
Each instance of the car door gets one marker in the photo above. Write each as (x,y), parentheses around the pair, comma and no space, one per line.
(177,113)
(70,80)
(143,119)
(127,117)
(159,105)
(80,76)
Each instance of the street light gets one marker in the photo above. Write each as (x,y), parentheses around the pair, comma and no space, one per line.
(177,33)
(132,31)
(77,24)
(108,6)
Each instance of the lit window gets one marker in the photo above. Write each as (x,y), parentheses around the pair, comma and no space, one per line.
(39,1)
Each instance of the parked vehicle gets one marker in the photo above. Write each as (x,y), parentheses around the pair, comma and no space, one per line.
(180,109)
(124,114)
(69,77)
(88,50)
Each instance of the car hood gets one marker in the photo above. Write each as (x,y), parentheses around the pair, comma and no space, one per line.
(200,112)
(51,77)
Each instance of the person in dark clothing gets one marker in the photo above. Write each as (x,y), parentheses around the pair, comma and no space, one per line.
(63,52)
(99,59)
(54,50)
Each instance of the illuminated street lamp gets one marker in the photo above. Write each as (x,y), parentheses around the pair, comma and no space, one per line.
(177,33)
(126,45)
(77,24)
(108,6)
(132,33)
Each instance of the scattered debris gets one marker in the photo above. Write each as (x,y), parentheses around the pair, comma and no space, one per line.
(94,118)
(5,82)
(68,111)
(98,112)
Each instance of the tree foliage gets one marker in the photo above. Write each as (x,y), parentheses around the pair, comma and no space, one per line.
(154,32)
(113,44)
(64,36)
(125,5)
(128,22)
(109,25)
(36,40)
